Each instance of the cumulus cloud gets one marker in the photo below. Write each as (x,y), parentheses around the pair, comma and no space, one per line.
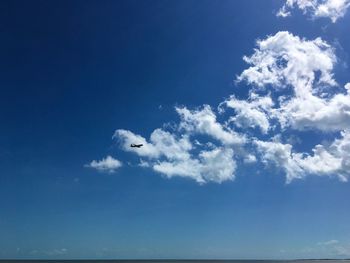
(162,143)
(285,60)
(216,165)
(127,138)
(108,164)
(291,90)
(333,160)
(281,156)
(313,112)
(332,9)
(203,121)
(320,162)
(175,155)
(250,113)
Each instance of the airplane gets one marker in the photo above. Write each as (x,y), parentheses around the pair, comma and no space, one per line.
(136,145)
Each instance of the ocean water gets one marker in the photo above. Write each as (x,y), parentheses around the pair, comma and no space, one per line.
(183,261)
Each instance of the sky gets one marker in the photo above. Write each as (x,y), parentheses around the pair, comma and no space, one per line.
(242,107)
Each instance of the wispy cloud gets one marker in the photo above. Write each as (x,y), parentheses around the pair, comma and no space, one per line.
(329,242)
(53,252)
(334,248)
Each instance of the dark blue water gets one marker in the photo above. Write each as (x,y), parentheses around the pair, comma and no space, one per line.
(181,261)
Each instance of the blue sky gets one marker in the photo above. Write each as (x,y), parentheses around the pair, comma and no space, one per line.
(74,74)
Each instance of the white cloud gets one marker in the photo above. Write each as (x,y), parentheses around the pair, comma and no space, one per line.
(291,89)
(329,242)
(162,143)
(203,121)
(249,158)
(332,9)
(250,114)
(184,168)
(171,147)
(312,112)
(281,156)
(144,163)
(108,164)
(284,59)
(321,162)
(175,155)
(305,5)
(171,156)
(331,161)
(216,165)
(283,12)
(127,138)
(347,87)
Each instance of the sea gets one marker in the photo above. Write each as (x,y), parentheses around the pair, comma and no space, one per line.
(178,261)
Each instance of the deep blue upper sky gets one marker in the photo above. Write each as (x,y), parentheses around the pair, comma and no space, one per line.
(72,72)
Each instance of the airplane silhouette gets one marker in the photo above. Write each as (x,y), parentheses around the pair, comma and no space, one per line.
(136,145)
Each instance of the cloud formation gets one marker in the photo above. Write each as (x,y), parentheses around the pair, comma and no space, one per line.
(215,165)
(291,90)
(284,60)
(204,121)
(250,114)
(108,164)
(176,155)
(332,9)
(323,161)
(304,68)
